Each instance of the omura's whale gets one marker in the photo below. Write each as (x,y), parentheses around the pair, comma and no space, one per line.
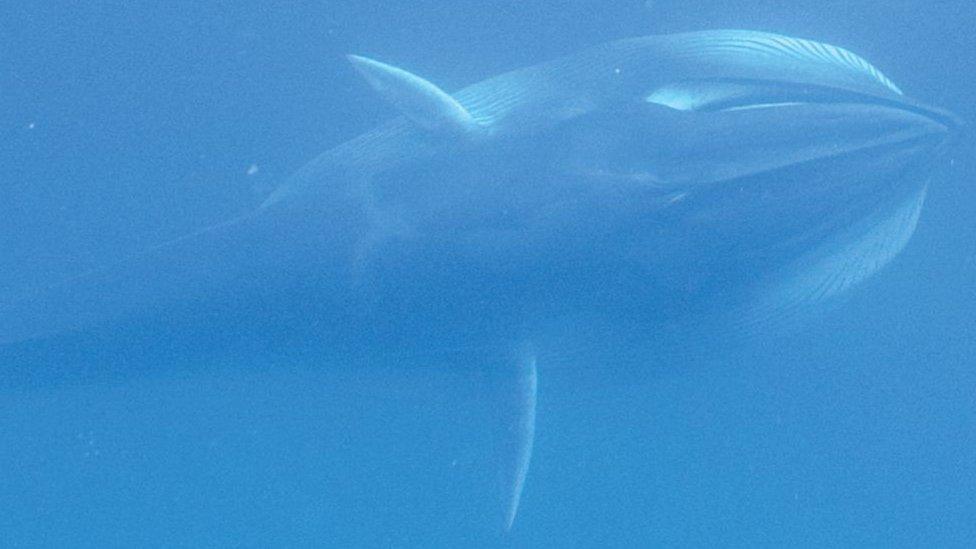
(732,175)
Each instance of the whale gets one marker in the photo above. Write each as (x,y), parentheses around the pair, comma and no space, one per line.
(643,191)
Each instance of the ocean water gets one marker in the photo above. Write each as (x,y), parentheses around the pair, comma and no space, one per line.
(127,124)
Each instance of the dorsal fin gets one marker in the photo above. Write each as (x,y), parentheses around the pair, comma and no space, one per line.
(419,100)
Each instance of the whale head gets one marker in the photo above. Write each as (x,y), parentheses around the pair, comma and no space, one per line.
(672,162)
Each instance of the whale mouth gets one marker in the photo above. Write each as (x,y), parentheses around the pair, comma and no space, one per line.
(723,95)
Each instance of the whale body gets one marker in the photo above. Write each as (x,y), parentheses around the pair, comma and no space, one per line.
(640,184)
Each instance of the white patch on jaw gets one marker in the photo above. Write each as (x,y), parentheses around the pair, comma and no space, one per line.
(762,106)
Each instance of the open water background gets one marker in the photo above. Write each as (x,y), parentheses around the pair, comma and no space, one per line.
(123,124)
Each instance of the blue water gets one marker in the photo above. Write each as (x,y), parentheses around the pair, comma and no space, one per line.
(125,124)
